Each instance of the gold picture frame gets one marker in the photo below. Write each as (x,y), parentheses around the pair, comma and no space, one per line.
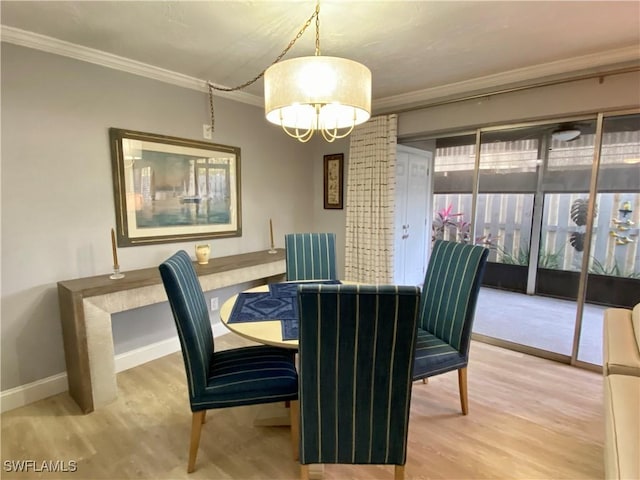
(333,181)
(170,189)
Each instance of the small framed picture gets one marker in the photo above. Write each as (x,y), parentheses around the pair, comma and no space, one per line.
(333,180)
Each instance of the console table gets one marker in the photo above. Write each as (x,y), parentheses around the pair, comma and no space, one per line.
(86,305)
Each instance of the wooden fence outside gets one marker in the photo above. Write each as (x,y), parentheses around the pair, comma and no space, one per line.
(505,221)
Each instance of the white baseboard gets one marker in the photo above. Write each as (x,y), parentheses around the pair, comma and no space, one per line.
(138,356)
(32,392)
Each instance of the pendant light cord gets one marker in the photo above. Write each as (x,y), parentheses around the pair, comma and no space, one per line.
(212,87)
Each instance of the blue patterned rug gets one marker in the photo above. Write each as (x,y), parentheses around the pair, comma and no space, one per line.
(289,329)
(290,289)
(280,303)
(253,307)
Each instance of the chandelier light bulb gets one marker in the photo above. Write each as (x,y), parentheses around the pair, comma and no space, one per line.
(317,79)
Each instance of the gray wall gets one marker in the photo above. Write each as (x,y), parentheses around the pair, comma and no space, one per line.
(585,96)
(57,198)
(330,220)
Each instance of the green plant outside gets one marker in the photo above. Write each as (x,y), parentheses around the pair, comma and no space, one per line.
(550,260)
(445,219)
(553,260)
(598,268)
(521,257)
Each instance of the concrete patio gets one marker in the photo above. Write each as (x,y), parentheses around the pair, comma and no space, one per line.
(540,322)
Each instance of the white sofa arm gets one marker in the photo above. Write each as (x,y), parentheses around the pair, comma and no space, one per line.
(620,341)
(622,427)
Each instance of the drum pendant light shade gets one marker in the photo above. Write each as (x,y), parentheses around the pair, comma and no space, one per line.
(306,94)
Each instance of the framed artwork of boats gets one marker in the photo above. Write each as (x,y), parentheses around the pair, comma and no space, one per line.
(170,189)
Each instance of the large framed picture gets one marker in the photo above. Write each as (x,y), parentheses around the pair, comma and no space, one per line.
(170,189)
(333,179)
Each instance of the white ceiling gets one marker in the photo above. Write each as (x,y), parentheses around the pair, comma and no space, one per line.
(416,50)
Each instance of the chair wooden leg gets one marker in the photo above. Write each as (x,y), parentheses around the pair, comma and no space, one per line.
(304,472)
(196,428)
(425,380)
(462,384)
(398,473)
(204,417)
(294,413)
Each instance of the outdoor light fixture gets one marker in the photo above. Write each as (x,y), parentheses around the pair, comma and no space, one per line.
(566,134)
(305,95)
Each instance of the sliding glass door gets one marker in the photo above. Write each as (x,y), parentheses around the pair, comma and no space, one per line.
(527,179)
(614,257)
(453,177)
(525,192)
(509,164)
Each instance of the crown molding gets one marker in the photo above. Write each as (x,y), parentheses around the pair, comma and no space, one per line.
(423,97)
(44,43)
(564,68)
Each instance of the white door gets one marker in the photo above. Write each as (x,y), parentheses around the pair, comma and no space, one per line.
(413,195)
(402,196)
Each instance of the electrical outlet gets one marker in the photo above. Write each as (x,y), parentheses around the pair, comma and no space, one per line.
(214,304)
(206,131)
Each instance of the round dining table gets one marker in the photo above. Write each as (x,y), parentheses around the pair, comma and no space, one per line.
(268,332)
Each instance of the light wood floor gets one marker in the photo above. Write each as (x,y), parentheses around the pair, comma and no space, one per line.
(529,418)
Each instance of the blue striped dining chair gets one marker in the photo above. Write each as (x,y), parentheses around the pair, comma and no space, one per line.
(229,378)
(357,347)
(310,256)
(447,308)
